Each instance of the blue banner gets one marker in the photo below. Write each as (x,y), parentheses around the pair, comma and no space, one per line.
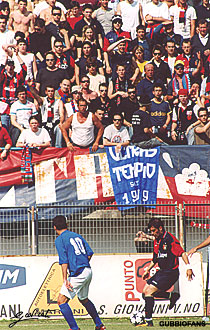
(134,175)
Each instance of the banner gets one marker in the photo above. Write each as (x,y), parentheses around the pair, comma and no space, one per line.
(116,287)
(134,175)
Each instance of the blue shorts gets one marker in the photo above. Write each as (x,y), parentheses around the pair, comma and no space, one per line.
(164,279)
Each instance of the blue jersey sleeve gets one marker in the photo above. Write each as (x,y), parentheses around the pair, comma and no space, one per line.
(62,253)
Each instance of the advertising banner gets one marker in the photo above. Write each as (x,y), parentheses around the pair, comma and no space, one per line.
(30,286)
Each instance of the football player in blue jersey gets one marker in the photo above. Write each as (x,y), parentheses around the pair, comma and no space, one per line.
(74,256)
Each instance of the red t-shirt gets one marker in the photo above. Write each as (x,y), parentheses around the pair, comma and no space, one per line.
(73,20)
(4,137)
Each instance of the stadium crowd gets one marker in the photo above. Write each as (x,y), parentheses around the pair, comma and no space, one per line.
(93,73)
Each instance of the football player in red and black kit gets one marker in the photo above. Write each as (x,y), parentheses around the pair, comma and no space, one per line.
(167,250)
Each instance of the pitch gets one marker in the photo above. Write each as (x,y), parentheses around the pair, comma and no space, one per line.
(87,324)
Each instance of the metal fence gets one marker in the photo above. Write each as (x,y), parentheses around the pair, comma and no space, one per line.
(107,230)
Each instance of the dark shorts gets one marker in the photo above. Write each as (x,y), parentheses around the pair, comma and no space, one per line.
(164,279)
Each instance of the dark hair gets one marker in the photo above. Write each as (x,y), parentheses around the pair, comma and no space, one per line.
(84,76)
(171,41)
(4,5)
(39,22)
(50,53)
(86,42)
(82,100)
(21,40)
(57,40)
(202,109)
(157,85)
(56,8)
(186,41)
(102,85)
(87,6)
(49,86)
(157,47)
(20,89)
(20,34)
(22,1)
(157,223)
(91,61)
(141,27)
(4,17)
(74,4)
(202,21)
(34,117)
(117,113)
(60,222)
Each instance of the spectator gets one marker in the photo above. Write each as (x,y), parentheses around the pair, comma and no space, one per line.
(87,93)
(192,62)
(4,113)
(5,141)
(34,136)
(145,86)
(63,91)
(142,133)
(170,57)
(20,112)
(201,41)
(103,102)
(82,124)
(80,63)
(64,60)
(180,80)
(87,19)
(5,9)
(138,58)
(74,15)
(104,16)
(155,12)
(95,78)
(52,113)
(88,34)
(143,41)
(51,75)
(130,11)
(203,11)
(10,80)
(45,4)
(6,38)
(166,33)
(40,41)
(118,88)
(46,14)
(100,115)
(202,131)
(55,27)
(161,68)
(21,19)
(183,119)
(184,17)
(128,106)
(116,134)
(72,106)
(27,58)
(159,112)
(112,37)
(121,57)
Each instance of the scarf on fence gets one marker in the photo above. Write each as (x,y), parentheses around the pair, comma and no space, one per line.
(185,83)
(117,88)
(26,165)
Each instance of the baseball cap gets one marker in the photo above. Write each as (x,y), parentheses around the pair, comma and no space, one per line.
(183,92)
(179,63)
(9,62)
(116,18)
(144,100)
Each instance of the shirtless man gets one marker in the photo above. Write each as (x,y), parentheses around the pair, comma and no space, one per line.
(21,19)
(46,14)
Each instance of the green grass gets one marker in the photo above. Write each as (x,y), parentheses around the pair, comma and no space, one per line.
(87,324)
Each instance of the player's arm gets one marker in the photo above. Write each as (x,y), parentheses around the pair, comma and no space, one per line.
(200,246)
(65,276)
(147,271)
(189,272)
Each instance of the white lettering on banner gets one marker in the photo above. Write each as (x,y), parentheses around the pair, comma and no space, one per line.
(131,152)
(8,275)
(130,171)
(129,275)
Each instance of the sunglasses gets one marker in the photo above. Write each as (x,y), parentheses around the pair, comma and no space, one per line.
(117,119)
(56,14)
(157,53)
(85,81)
(50,60)
(132,92)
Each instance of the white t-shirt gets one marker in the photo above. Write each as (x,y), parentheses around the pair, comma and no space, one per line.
(112,134)
(130,16)
(159,10)
(44,5)
(28,60)
(23,112)
(6,38)
(95,81)
(183,28)
(39,137)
